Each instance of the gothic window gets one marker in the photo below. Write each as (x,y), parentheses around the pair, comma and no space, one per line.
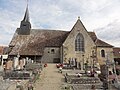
(79,42)
(102,53)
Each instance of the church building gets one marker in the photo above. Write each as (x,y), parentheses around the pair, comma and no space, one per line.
(76,46)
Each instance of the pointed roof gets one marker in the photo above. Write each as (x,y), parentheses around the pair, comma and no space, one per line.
(77,22)
(26,16)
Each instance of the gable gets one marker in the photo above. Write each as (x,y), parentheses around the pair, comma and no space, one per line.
(79,28)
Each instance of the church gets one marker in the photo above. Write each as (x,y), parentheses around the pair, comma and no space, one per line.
(76,46)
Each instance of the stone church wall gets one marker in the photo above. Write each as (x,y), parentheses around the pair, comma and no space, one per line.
(51,54)
(69,45)
(108,54)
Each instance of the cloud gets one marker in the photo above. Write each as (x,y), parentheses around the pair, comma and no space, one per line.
(99,16)
(110,33)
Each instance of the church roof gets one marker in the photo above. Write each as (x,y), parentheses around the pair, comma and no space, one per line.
(35,43)
(100,43)
(38,39)
(93,36)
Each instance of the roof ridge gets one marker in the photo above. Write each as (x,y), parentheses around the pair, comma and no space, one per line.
(50,30)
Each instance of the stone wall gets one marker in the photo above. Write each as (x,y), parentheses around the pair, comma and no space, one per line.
(69,45)
(108,54)
(51,54)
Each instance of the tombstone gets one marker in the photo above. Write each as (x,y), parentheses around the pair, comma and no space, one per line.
(1,65)
(78,65)
(74,62)
(24,61)
(15,62)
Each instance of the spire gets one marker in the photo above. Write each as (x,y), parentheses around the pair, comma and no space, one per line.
(25,26)
(26,17)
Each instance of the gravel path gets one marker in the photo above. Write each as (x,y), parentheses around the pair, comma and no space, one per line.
(50,79)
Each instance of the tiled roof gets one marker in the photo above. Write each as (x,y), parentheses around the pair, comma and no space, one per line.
(93,36)
(97,41)
(100,43)
(35,43)
(1,50)
(116,52)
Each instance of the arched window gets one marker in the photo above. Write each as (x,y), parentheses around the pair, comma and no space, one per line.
(102,53)
(79,42)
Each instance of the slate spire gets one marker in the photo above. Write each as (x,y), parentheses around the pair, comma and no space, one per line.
(26,16)
(25,26)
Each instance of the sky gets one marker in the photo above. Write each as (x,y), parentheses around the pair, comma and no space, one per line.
(100,16)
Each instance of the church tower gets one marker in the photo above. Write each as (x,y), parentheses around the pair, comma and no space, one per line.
(25,26)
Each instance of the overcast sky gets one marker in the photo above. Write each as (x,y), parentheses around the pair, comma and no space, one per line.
(100,16)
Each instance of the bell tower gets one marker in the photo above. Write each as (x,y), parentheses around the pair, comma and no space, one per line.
(25,25)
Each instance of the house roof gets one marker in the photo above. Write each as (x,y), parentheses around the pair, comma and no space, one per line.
(116,52)
(38,39)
